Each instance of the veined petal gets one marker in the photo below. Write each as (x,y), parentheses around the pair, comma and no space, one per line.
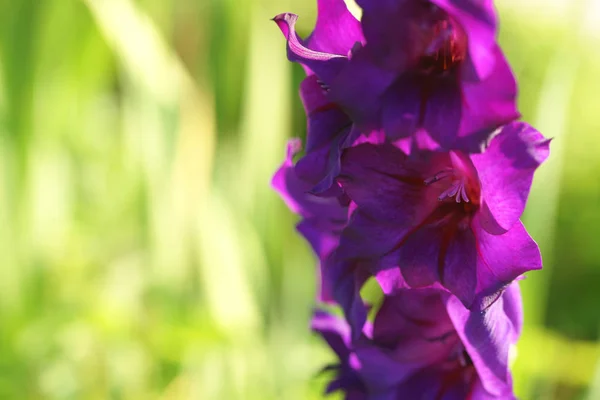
(325,65)
(505,171)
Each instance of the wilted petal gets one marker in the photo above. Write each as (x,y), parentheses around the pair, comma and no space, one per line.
(505,171)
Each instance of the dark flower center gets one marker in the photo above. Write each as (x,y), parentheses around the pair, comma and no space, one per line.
(446,49)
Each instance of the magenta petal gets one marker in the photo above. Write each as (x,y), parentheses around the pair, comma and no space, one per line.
(505,171)
(502,259)
(486,336)
(326,66)
(337,30)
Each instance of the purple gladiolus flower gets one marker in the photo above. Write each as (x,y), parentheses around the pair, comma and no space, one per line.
(425,345)
(421,65)
(439,219)
(329,128)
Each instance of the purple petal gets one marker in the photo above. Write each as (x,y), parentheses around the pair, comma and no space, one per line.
(358,90)
(328,160)
(295,193)
(502,259)
(478,20)
(335,331)
(336,30)
(505,171)
(280,181)
(346,279)
(418,257)
(460,266)
(478,392)
(394,30)
(488,104)
(401,111)
(513,308)
(443,111)
(486,336)
(325,65)
(381,372)
(386,186)
(416,324)
(323,242)
(326,121)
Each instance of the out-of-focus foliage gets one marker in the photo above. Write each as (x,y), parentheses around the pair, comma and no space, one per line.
(143,254)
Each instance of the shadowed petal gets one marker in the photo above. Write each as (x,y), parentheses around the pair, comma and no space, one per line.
(400,115)
(443,113)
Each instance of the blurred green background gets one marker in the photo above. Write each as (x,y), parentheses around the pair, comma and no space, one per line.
(143,253)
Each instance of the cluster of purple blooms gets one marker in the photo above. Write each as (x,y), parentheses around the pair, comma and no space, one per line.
(415,172)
